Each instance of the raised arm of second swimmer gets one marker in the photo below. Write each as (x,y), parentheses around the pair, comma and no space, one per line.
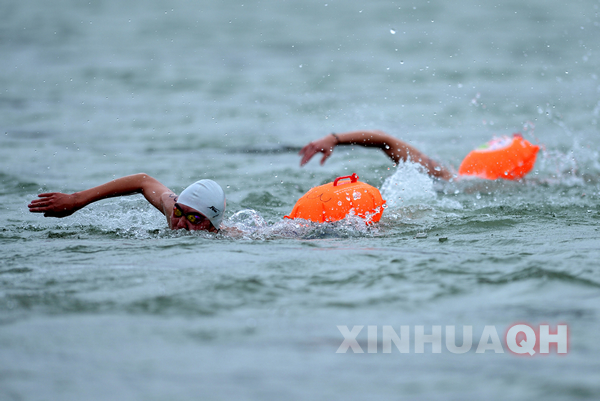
(56,204)
(394,148)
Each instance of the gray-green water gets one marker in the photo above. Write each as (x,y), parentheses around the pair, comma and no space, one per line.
(110,304)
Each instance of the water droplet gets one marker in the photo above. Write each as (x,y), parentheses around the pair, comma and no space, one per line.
(393,31)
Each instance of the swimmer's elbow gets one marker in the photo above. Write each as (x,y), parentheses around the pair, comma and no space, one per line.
(384,140)
(141,181)
(143,177)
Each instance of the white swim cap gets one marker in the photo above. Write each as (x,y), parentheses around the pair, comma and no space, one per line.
(207,197)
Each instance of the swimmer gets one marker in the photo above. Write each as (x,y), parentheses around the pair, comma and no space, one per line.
(394,148)
(199,207)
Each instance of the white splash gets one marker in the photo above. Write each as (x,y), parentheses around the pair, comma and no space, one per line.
(409,185)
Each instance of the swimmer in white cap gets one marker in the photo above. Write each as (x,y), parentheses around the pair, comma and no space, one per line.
(199,207)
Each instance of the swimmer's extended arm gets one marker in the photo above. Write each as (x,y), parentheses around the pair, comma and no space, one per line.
(396,149)
(56,204)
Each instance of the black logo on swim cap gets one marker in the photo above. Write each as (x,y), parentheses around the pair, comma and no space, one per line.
(214,209)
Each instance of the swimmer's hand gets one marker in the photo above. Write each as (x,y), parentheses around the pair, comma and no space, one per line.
(54,204)
(324,145)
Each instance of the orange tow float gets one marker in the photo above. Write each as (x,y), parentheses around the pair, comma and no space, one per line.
(335,200)
(505,157)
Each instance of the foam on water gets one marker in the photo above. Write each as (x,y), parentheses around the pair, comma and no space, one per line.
(249,224)
(409,185)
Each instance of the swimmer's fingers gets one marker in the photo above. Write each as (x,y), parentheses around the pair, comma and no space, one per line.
(312,149)
(37,208)
(307,153)
(53,205)
(42,198)
(325,148)
(326,154)
(38,205)
(304,149)
(49,211)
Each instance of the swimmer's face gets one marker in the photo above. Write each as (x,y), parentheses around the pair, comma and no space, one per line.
(190,219)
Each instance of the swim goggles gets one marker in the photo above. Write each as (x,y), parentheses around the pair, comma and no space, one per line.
(191,217)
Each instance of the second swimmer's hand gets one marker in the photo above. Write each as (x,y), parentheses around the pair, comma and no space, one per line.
(324,145)
(54,204)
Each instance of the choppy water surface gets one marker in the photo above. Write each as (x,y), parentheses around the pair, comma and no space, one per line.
(109,303)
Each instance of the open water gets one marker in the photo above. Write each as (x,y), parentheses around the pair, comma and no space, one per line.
(110,304)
